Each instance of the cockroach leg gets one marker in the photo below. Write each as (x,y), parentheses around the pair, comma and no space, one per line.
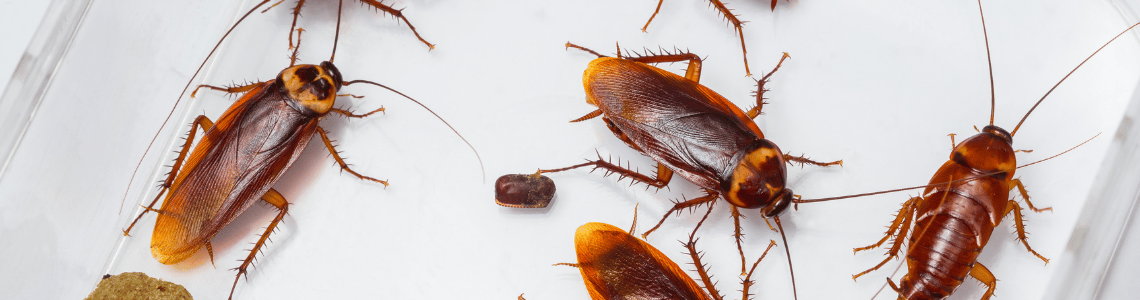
(349,114)
(702,269)
(567,264)
(982,274)
(1019,223)
(571,45)
(710,197)
(664,175)
(747,281)
(296,14)
(893,286)
(1016,182)
(693,72)
(343,165)
(902,223)
(732,19)
(769,223)
(205,124)
(398,13)
(756,111)
(736,216)
(273,198)
(655,11)
(804,160)
(903,217)
(228,90)
(952,143)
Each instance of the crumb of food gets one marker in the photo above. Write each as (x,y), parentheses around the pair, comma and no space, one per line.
(136,285)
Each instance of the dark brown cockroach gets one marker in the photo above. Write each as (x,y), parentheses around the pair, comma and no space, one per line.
(617,265)
(242,155)
(732,18)
(398,13)
(953,219)
(691,130)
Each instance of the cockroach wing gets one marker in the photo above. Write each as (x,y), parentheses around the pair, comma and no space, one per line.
(616,265)
(691,129)
(236,162)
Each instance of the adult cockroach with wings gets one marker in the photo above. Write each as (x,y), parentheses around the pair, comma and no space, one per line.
(242,154)
(687,129)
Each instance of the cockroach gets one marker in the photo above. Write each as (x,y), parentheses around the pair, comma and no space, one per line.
(617,265)
(952,221)
(690,130)
(732,18)
(242,155)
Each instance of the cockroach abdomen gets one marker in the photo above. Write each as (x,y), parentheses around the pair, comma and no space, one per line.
(524,191)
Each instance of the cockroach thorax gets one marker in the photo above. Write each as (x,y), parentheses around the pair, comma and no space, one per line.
(989,151)
(312,86)
(759,177)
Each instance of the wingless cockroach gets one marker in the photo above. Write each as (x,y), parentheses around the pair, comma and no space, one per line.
(242,155)
(688,129)
(616,265)
(953,219)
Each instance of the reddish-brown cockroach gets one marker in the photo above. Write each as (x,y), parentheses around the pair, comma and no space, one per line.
(691,130)
(617,265)
(953,219)
(732,18)
(242,155)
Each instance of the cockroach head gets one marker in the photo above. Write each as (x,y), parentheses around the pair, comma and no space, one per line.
(759,179)
(989,151)
(312,86)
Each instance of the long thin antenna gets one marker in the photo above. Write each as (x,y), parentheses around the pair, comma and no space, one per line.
(481,170)
(1011,133)
(789,252)
(168,115)
(989,62)
(944,183)
(336,38)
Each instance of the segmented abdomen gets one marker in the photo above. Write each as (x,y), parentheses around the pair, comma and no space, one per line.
(943,248)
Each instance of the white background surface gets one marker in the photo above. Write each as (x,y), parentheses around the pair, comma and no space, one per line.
(878,84)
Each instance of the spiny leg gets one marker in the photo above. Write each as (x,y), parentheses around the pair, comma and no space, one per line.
(738,25)
(733,20)
(982,274)
(804,160)
(340,161)
(739,235)
(1016,182)
(702,269)
(692,72)
(1019,223)
(349,114)
(398,13)
(228,90)
(710,197)
(659,180)
(756,111)
(747,282)
(273,198)
(902,223)
(953,145)
(296,14)
(200,122)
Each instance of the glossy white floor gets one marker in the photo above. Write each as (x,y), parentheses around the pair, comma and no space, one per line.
(878,84)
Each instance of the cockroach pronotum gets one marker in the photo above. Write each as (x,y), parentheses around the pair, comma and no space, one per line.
(617,265)
(965,200)
(242,155)
(688,129)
